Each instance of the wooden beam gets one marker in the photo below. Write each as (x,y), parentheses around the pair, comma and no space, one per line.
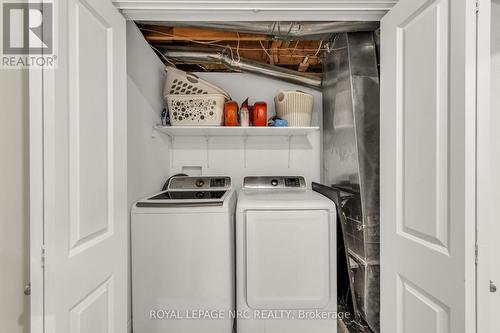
(155,33)
(274,52)
(304,65)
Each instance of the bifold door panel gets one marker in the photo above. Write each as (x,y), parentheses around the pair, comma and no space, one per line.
(287,259)
(85,171)
(428,167)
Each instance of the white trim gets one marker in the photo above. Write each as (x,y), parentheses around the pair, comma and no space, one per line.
(470,166)
(49,142)
(274,10)
(36,199)
(486,169)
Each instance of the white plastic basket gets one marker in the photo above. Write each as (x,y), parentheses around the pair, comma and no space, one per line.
(196,110)
(179,82)
(295,107)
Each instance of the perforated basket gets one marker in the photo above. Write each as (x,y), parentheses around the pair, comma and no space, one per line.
(196,110)
(179,82)
(294,106)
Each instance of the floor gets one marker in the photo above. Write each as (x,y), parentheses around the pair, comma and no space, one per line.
(341,327)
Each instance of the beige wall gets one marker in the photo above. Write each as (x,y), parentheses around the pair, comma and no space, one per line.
(14,205)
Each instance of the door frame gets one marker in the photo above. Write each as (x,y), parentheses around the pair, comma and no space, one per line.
(270,10)
(486,203)
(36,194)
(169,10)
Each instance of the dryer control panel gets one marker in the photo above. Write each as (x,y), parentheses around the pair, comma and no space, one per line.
(270,182)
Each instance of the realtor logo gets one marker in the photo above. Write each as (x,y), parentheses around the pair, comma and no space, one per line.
(27,34)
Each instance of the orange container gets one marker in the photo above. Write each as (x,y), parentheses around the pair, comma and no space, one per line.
(260,114)
(231,113)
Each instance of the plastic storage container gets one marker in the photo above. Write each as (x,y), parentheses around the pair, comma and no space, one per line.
(295,107)
(179,82)
(192,101)
(231,114)
(259,114)
(196,110)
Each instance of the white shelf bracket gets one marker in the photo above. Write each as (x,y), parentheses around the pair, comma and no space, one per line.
(157,129)
(153,132)
(245,138)
(207,150)
(172,149)
(289,149)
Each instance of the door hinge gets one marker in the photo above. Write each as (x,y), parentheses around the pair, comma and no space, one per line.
(476,254)
(27,289)
(42,255)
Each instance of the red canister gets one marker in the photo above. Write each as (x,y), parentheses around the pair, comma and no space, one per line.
(260,114)
(231,113)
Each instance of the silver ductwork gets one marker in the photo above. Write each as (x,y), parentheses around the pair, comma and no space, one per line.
(245,65)
(282,30)
(351,133)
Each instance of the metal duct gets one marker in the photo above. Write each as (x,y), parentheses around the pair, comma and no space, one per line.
(246,65)
(282,30)
(351,156)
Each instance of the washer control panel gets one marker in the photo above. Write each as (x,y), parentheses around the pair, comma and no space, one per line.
(197,183)
(279,182)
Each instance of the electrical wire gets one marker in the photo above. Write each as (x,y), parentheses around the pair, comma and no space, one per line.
(162,55)
(289,30)
(202,67)
(230,50)
(295,47)
(265,50)
(238,47)
(319,48)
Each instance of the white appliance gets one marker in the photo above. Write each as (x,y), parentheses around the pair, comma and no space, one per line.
(183,258)
(285,258)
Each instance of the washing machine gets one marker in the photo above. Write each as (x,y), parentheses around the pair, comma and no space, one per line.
(285,258)
(183,274)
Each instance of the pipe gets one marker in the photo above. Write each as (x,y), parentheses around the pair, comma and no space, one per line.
(246,65)
(282,30)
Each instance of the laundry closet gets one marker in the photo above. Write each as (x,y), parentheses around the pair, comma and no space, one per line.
(389,148)
(348,52)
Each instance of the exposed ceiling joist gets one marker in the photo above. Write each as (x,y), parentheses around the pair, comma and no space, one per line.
(304,65)
(158,34)
(301,55)
(275,57)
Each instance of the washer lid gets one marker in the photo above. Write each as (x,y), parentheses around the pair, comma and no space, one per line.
(184,199)
(185,191)
(188,195)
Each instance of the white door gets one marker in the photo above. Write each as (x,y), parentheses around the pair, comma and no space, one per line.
(428,167)
(85,209)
